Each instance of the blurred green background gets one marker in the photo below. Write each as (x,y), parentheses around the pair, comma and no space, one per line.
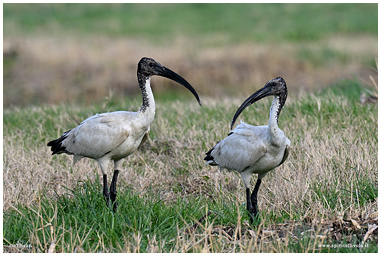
(83,53)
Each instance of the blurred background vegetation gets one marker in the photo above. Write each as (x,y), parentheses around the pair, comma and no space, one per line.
(84,53)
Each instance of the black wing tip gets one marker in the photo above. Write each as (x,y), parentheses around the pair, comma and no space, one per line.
(56,145)
(210,158)
(208,155)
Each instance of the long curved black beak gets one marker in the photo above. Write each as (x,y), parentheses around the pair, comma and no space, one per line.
(261,93)
(166,72)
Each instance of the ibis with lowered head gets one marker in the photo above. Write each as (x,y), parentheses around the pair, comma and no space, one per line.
(113,136)
(252,149)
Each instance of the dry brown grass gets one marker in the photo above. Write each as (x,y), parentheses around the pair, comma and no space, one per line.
(322,156)
(319,157)
(73,69)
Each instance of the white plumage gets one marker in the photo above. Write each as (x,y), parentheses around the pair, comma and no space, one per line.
(107,136)
(113,136)
(252,149)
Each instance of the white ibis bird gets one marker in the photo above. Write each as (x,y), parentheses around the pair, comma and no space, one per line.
(113,136)
(254,149)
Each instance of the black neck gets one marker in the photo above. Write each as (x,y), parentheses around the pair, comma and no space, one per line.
(142,79)
(282,100)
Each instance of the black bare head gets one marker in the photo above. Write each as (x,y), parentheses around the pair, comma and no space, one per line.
(276,87)
(148,67)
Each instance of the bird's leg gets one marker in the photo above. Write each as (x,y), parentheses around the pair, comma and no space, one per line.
(254,204)
(249,206)
(106,194)
(113,190)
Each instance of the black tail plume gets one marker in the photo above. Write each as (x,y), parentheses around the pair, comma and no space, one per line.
(209,158)
(56,145)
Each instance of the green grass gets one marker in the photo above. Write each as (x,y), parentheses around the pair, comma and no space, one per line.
(76,218)
(350,89)
(163,22)
(83,211)
(80,220)
(331,171)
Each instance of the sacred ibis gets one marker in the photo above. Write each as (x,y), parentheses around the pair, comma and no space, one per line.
(254,149)
(113,136)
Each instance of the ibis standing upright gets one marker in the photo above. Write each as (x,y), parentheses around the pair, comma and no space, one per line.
(113,136)
(254,149)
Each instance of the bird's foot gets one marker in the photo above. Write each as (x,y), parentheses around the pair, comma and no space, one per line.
(106,195)
(114,203)
(254,216)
